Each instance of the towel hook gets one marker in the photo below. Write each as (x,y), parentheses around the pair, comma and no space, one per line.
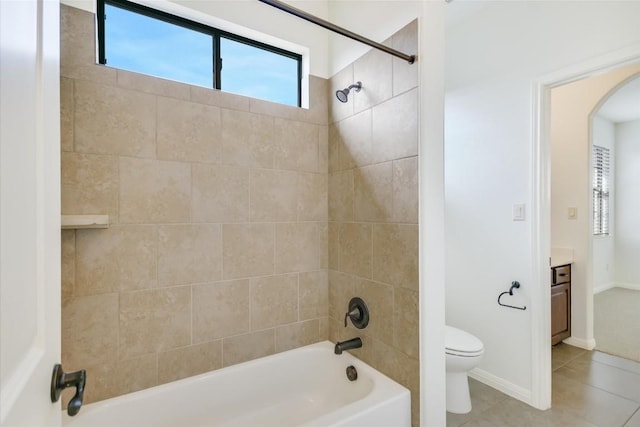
(515,284)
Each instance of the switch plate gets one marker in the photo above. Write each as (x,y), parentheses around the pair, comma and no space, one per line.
(518,212)
(572,213)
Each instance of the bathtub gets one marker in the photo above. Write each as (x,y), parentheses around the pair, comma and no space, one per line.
(307,387)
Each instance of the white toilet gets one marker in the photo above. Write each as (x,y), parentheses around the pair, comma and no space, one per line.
(463,352)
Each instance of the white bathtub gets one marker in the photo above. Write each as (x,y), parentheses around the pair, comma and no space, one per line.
(302,387)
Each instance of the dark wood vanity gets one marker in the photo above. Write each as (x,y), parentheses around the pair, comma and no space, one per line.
(560,303)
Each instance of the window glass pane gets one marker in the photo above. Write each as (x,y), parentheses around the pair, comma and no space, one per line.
(147,45)
(255,72)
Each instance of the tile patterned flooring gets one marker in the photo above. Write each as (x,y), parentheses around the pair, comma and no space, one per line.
(590,389)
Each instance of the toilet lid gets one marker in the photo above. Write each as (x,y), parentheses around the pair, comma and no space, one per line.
(458,341)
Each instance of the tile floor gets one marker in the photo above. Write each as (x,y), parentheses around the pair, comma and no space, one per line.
(590,388)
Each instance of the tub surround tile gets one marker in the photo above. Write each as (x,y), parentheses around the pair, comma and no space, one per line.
(296,145)
(248,250)
(379,298)
(89,184)
(189,253)
(323,328)
(219,193)
(220,310)
(323,227)
(323,149)
(188,131)
(373,186)
(90,330)
(67,114)
(297,247)
(341,196)
(313,295)
(405,75)
(333,143)
(374,70)
(406,321)
(113,120)
(342,79)
(312,196)
(274,301)
(273,195)
(247,139)
(154,320)
(153,191)
(395,254)
(341,290)
(333,245)
(217,98)
(354,139)
(395,126)
(356,249)
(156,86)
(188,361)
(68,268)
(405,191)
(242,348)
(297,335)
(120,258)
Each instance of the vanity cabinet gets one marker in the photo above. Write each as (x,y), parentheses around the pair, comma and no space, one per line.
(560,303)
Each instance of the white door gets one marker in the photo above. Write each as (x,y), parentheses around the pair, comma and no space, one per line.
(29,210)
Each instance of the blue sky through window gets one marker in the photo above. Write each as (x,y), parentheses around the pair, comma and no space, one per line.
(151,46)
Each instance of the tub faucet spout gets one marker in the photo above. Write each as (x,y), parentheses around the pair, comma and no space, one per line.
(348,345)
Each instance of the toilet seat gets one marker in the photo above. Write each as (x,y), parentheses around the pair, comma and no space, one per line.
(460,343)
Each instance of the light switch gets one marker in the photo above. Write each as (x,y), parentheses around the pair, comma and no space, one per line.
(518,212)
(573,213)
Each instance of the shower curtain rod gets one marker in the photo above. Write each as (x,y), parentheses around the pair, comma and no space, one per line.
(336,29)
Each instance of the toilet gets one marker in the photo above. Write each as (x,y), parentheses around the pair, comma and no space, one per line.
(463,352)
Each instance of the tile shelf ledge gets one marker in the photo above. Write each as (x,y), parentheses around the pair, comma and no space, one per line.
(73,222)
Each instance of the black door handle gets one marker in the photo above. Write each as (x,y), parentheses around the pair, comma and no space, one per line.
(61,380)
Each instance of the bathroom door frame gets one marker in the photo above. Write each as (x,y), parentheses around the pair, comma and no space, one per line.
(541,201)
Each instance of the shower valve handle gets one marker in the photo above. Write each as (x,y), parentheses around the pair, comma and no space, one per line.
(61,380)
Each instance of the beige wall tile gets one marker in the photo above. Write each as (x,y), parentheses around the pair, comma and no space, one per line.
(313,298)
(188,361)
(90,330)
(188,131)
(405,75)
(112,120)
(323,149)
(318,101)
(66,114)
(374,192)
(379,300)
(356,249)
(405,190)
(219,193)
(274,301)
(406,317)
(203,95)
(323,328)
(154,191)
(395,126)
(341,196)
(297,247)
(154,85)
(297,335)
(190,253)
(341,290)
(68,269)
(324,244)
(355,140)
(374,70)
(120,258)
(89,184)
(116,378)
(312,197)
(296,145)
(247,139)
(334,143)
(220,310)
(273,195)
(251,346)
(154,320)
(341,80)
(333,249)
(248,250)
(395,254)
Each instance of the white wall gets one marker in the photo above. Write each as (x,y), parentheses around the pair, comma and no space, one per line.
(604,135)
(628,203)
(492,59)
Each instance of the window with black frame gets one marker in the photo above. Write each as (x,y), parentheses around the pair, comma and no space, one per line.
(144,40)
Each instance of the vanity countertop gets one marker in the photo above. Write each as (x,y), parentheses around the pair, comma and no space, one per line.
(561,256)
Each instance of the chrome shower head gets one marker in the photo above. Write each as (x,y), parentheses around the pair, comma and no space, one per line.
(343,95)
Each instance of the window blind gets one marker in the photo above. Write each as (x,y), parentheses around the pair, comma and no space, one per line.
(600,190)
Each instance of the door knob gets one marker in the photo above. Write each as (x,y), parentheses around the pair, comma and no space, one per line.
(61,380)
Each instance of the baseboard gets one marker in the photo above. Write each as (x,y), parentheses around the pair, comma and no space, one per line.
(579,342)
(631,286)
(603,287)
(502,385)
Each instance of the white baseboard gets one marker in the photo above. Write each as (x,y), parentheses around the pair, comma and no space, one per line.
(603,287)
(579,342)
(632,286)
(502,385)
